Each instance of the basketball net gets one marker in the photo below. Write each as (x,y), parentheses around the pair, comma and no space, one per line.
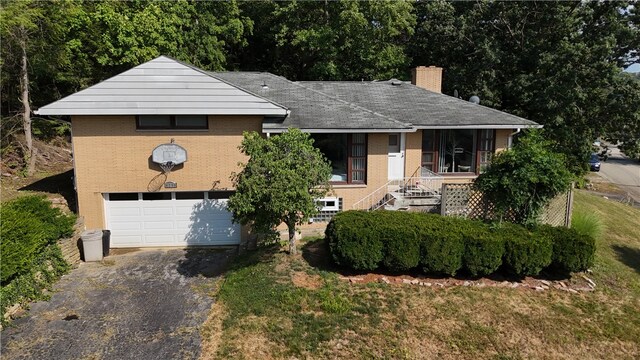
(166,167)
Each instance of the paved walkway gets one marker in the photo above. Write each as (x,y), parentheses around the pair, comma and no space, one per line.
(623,172)
(143,305)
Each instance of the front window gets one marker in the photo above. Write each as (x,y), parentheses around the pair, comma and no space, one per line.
(457,151)
(347,154)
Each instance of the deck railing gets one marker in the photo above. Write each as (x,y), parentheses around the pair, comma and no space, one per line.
(427,183)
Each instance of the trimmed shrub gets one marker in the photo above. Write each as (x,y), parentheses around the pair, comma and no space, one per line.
(572,251)
(525,253)
(354,241)
(483,250)
(441,246)
(401,245)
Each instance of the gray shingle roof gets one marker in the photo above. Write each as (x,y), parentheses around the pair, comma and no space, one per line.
(163,86)
(417,106)
(310,109)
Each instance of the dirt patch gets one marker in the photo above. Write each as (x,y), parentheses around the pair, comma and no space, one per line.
(122,251)
(578,283)
(307,281)
(211,332)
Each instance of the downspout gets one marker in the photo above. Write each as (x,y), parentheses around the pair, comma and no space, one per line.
(510,142)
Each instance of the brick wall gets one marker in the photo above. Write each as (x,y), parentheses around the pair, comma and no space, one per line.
(112,156)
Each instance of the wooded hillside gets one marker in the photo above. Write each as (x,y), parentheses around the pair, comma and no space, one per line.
(558,63)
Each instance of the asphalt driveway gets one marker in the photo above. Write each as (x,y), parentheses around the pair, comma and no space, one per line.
(143,305)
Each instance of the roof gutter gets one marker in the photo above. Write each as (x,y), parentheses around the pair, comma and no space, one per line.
(442,127)
(334,130)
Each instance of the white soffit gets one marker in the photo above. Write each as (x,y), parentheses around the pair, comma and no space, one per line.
(163,86)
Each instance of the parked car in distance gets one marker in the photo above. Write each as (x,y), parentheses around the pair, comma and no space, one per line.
(594,162)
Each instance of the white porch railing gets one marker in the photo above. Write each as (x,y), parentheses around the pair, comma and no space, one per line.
(426,184)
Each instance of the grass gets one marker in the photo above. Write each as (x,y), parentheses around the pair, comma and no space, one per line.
(271,305)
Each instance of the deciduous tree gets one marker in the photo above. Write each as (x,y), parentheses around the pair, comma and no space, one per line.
(523,180)
(280,182)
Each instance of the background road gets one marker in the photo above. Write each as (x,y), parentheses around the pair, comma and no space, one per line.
(623,172)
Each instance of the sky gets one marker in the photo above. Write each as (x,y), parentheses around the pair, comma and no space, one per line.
(633,68)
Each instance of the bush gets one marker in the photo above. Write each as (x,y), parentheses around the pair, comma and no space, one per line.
(572,251)
(401,245)
(587,224)
(29,224)
(46,268)
(522,180)
(525,253)
(57,224)
(401,241)
(354,241)
(483,251)
(441,246)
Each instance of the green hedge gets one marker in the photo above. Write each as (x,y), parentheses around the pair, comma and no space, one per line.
(354,242)
(441,248)
(29,224)
(526,252)
(400,241)
(572,251)
(483,251)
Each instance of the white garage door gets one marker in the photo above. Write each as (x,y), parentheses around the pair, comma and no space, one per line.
(170,219)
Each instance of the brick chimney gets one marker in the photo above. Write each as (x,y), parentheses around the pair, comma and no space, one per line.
(429,78)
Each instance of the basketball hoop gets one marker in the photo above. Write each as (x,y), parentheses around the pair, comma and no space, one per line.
(168,155)
(166,167)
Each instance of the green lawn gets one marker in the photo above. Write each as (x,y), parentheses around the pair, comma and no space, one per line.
(271,305)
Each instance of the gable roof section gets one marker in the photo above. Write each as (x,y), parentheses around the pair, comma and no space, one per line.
(163,86)
(311,110)
(419,107)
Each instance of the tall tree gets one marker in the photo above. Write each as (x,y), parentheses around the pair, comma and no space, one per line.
(280,182)
(127,33)
(20,20)
(328,40)
(553,62)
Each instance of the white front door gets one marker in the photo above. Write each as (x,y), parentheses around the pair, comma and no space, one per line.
(169,219)
(396,156)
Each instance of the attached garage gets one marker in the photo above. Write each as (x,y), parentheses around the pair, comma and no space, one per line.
(170,219)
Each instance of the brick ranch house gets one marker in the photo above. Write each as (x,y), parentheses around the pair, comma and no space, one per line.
(391,144)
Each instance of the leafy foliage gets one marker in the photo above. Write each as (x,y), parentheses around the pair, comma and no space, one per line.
(555,62)
(442,245)
(522,180)
(482,251)
(368,240)
(280,182)
(29,224)
(526,252)
(354,241)
(330,40)
(44,270)
(572,251)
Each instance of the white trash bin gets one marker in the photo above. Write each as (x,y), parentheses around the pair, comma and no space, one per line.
(92,245)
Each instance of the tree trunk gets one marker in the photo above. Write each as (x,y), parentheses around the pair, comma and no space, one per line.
(26,114)
(292,239)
